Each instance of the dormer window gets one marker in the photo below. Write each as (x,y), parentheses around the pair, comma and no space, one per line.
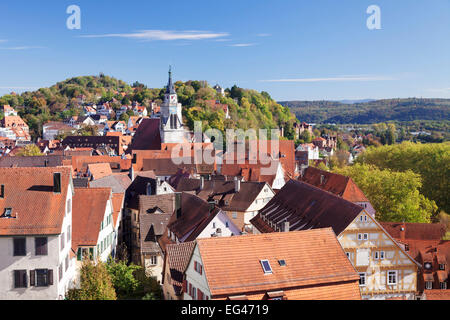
(441,266)
(266,266)
(7,213)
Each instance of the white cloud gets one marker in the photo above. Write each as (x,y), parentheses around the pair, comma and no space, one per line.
(21,48)
(242,45)
(164,35)
(344,78)
(263,34)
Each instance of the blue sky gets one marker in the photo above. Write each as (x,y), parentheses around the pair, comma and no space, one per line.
(293,49)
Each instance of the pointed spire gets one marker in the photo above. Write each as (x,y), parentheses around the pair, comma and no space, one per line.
(170,87)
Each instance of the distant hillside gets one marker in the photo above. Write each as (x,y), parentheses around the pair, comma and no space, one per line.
(247,108)
(370,112)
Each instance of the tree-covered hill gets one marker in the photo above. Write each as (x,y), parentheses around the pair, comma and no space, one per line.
(247,108)
(370,112)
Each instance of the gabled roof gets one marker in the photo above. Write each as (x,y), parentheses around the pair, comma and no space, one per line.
(88,212)
(224,191)
(99,170)
(305,207)
(117,182)
(335,183)
(415,231)
(178,256)
(193,216)
(36,161)
(147,136)
(36,209)
(314,257)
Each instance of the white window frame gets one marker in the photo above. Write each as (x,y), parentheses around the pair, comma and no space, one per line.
(388,277)
(362,275)
(360,236)
(234,215)
(443,285)
(428,285)
(382,255)
(365,236)
(376,255)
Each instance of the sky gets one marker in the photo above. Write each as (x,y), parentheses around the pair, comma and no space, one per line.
(293,49)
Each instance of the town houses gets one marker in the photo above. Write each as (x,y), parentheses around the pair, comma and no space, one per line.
(125,182)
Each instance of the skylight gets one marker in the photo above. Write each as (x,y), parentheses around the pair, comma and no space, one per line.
(266,266)
(8,212)
(282,263)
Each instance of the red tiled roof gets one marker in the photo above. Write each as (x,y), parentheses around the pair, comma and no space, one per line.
(29,193)
(233,265)
(88,212)
(117,203)
(99,170)
(335,183)
(178,256)
(415,231)
(437,294)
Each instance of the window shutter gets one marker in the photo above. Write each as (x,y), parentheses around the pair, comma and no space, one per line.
(201,269)
(200,294)
(185,286)
(50,277)
(195,265)
(32,277)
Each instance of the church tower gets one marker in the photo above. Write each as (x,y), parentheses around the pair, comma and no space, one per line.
(171,125)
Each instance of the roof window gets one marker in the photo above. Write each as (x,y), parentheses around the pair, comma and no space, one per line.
(282,263)
(266,266)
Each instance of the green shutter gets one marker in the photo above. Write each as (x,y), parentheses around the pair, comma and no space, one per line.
(79,254)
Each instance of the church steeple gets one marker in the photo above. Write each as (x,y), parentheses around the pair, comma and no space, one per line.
(170,87)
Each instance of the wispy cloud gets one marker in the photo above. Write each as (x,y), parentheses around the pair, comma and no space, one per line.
(21,48)
(163,35)
(263,34)
(342,78)
(440,90)
(222,40)
(2,40)
(243,45)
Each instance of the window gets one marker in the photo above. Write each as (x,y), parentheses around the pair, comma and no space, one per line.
(20,279)
(362,279)
(214,225)
(234,215)
(63,240)
(67,262)
(69,206)
(44,277)
(153,260)
(41,246)
(60,271)
(19,247)
(428,285)
(441,266)
(381,255)
(282,263)
(68,234)
(365,218)
(392,277)
(359,236)
(194,293)
(443,285)
(348,254)
(375,255)
(365,236)
(266,266)
(198,267)
(227,225)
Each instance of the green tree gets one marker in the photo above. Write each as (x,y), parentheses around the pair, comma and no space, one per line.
(95,283)
(122,276)
(430,161)
(29,150)
(394,195)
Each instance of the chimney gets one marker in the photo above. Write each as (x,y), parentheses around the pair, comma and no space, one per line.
(57,182)
(286,226)
(237,185)
(403,231)
(202,183)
